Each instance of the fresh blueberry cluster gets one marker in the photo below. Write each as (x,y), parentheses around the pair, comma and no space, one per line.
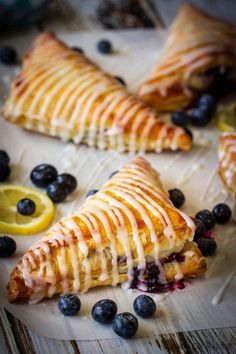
(205,221)
(199,116)
(124,324)
(7,246)
(104,46)
(26,207)
(58,186)
(104,311)
(177,197)
(69,305)
(8,55)
(144,306)
(5,170)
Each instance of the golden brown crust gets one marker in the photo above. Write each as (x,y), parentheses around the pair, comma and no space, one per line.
(192,266)
(127,218)
(197,45)
(227,163)
(62,93)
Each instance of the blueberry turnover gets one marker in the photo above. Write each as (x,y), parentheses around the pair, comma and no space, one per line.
(129,225)
(85,107)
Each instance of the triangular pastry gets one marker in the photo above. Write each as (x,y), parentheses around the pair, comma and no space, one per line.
(200,50)
(60,92)
(129,231)
(227,165)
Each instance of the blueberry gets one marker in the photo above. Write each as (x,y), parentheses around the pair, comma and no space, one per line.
(180,118)
(91,192)
(7,246)
(222,213)
(200,230)
(189,133)
(125,325)
(122,81)
(104,311)
(26,206)
(104,46)
(209,102)
(57,192)
(207,218)
(113,174)
(200,116)
(69,304)
(144,306)
(8,55)
(78,49)
(207,246)
(5,172)
(177,197)
(68,181)
(4,158)
(43,175)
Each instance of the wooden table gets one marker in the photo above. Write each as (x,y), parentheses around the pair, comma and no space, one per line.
(17,338)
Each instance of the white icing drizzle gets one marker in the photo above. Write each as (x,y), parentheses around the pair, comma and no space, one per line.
(208,184)
(195,165)
(66,95)
(179,275)
(91,236)
(227,153)
(196,51)
(218,297)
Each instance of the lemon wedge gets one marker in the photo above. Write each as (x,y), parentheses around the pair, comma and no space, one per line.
(14,223)
(226,119)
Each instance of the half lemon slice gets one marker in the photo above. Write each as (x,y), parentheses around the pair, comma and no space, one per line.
(14,223)
(226,119)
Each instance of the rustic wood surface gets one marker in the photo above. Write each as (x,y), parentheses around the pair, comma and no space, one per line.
(16,338)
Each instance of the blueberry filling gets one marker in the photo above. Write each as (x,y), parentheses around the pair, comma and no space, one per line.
(149,279)
(174,257)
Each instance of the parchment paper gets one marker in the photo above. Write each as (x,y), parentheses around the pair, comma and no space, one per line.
(195,173)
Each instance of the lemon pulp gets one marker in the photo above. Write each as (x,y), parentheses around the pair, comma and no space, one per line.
(14,223)
(226,118)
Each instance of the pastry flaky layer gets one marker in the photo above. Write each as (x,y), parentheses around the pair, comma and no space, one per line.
(60,92)
(227,161)
(198,50)
(128,225)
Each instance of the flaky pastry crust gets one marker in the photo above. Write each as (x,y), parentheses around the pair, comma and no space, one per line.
(227,161)
(127,224)
(198,49)
(60,92)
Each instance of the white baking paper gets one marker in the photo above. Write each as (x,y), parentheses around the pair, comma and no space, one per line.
(193,172)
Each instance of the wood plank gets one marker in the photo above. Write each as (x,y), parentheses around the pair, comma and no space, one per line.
(7,340)
(16,338)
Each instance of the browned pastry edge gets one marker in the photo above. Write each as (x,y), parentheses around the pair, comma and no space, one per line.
(32,57)
(191,267)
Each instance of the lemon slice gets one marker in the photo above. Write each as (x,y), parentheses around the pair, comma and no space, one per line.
(14,223)
(226,119)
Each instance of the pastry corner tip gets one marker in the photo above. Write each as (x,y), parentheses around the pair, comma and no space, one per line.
(16,288)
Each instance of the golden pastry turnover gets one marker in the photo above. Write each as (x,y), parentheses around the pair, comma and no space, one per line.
(227,165)
(128,232)
(60,92)
(199,56)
